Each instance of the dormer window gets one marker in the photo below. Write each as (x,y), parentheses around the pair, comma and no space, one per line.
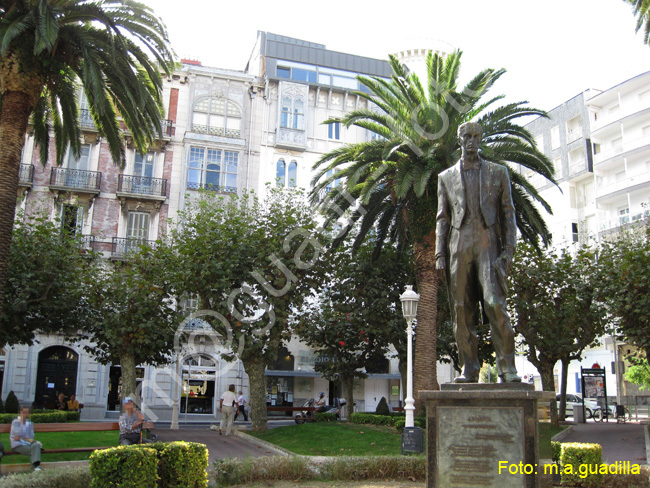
(217,117)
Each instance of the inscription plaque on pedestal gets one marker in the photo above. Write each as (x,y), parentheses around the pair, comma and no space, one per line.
(471,442)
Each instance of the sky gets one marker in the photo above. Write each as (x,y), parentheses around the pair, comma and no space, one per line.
(552,50)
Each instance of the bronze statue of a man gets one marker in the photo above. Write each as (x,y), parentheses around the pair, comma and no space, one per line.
(475,245)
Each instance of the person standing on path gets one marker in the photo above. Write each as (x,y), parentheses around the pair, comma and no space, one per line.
(22,439)
(227,406)
(241,406)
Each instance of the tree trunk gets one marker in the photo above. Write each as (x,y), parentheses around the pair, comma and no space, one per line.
(128,367)
(548,384)
(565,376)
(257,379)
(14,116)
(348,391)
(425,374)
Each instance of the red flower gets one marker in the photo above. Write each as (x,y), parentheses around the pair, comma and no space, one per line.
(342,343)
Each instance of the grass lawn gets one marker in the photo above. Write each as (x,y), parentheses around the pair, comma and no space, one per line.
(54,440)
(338,438)
(334,439)
(546,432)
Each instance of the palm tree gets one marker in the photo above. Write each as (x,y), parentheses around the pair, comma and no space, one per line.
(642,13)
(114,48)
(394,176)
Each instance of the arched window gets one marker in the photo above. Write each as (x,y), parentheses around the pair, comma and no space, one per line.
(280,173)
(217,116)
(292,177)
(293,113)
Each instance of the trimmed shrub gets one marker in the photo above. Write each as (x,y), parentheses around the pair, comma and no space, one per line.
(38,418)
(69,414)
(125,467)
(401,423)
(382,407)
(581,457)
(180,464)
(231,471)
(325,417)
(360,468)
(11,403)
(77,477)
(371,418)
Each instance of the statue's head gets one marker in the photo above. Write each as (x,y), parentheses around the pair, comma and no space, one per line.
(470,135)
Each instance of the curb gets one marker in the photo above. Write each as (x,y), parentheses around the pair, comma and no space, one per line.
(6,469)
(263,444)
(559,437)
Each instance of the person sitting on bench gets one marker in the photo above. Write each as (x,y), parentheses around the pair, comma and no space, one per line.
(130,424)
(22,438)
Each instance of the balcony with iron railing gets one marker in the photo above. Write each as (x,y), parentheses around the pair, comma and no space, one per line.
(87,242)
(122,247)
(26,175)
(86,122)
(78,180)
(141,187)
(211,187)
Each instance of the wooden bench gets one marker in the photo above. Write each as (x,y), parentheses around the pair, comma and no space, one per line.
(71,427)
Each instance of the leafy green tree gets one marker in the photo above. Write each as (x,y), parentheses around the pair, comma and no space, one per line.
(556,307)
(626,264)
(11,403)
(114,48)
(391,181)
(638,372)
(357,314)
(132,317)
(250,264)
(45,292)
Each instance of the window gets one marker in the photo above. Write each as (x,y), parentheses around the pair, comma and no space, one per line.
(555,137)
(138,226)
(77,174)
(624,215)
(334,131)
(143,170)
(284,178)
(334,183)
(574,128)
(81,163)
(574,231)
(539,142)
(72,219)
(212,169)
(217,117)
(293,113)
(298,74)
(596,148)
(557,164)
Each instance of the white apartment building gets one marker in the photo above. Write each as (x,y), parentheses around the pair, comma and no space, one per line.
(599,142)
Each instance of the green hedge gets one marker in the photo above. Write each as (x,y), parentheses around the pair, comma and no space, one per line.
(180,464)
(581,456)
(325,417)
(71,416)
(556,447)
(417,422)
(125,467)
(371,418)
(52,417)
(64,477)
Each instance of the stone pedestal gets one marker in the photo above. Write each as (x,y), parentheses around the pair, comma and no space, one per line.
(483,435)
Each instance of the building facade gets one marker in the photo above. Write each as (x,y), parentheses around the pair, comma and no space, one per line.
(225,131)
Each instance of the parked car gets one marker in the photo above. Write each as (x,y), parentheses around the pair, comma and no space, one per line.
(575,400)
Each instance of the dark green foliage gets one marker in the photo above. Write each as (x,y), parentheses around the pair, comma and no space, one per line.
(2,406)
(382,407)
(45,282)
(233,471)
(556,447)
(64,477)
(374,419)
(53,417)
(11,403)
(325,417)
(70,416)
(124,466)
(401,423)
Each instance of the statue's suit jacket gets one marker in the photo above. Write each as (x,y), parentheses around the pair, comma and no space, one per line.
(495,204)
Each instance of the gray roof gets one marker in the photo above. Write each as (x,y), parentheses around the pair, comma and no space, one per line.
(290,49)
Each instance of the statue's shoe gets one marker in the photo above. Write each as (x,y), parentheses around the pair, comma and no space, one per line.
(466,379)
(510,378)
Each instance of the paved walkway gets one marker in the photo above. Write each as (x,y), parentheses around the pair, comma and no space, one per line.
(219,446)
(620,442)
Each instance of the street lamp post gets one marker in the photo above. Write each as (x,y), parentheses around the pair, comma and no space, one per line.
(409,301)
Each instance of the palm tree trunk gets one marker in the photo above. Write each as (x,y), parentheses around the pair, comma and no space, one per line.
(14,116)
(425,372)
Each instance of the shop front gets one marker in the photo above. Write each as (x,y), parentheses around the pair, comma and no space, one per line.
(198,385)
